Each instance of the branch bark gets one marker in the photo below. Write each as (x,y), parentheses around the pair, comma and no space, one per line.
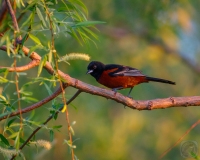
(133,104)
(30,65)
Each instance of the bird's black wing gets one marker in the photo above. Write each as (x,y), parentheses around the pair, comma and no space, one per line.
(123,71)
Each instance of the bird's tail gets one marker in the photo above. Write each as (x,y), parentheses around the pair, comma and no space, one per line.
(160,80)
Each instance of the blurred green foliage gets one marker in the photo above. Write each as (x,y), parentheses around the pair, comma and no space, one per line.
(143,34)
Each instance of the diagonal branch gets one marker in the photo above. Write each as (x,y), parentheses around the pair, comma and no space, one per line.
(34,106)
(134,104)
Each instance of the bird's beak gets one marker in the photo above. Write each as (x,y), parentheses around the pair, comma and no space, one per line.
(89,71)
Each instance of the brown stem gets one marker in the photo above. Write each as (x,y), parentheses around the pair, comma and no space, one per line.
(180,139)
(34,106)
(12,14)
(30,65)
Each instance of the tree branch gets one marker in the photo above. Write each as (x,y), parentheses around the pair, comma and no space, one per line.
(30,65)
(34,106)
(134,104)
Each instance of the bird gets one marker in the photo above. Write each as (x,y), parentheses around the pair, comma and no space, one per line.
(119,77)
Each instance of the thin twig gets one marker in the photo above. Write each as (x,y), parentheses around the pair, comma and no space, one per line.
(15,24)
(12,14)
(61,83)
(34,106)
(48,119)
(180,139)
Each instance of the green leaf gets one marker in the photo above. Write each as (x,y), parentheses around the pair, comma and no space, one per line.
(4,140)
(13,135)
(88,23)
(32,115)
(32,49)
(3,70)
(3,98)
(42,63)
(26,93)
(41,17)
(35,39)
(3,80)
(51,135)
(17,140)
(11,121)
(29,99)
(57,127)
(48,88)
(26,23)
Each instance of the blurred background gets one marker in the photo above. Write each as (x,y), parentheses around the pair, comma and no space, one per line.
(162,39)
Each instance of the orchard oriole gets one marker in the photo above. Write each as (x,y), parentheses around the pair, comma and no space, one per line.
(117,77)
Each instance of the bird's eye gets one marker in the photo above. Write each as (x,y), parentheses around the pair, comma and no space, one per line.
(95,67)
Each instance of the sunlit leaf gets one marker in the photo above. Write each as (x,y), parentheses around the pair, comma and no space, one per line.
(35,39)
(64,108)
(3,80)
(42,63)
(29,99)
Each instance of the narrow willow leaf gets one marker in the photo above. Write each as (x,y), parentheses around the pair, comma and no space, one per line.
(29,99)
(57,127)
(32,115)
(32,49)
(42,63)
(26,23)
(17,140)
(35,39)
(64,108)
(48,88)
(74,35)
(50,56)
(90,32)
(26,93)
(51,135)
(88,23)
(3,80)
(11,121)
(3,98)
(4,140)
(41,17)
(13,135)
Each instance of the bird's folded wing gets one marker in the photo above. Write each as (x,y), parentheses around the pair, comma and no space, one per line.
(126,71)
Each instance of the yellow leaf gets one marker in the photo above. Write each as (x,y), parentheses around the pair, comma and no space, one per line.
(64,108)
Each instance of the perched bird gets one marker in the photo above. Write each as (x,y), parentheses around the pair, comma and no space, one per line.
(118,77)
